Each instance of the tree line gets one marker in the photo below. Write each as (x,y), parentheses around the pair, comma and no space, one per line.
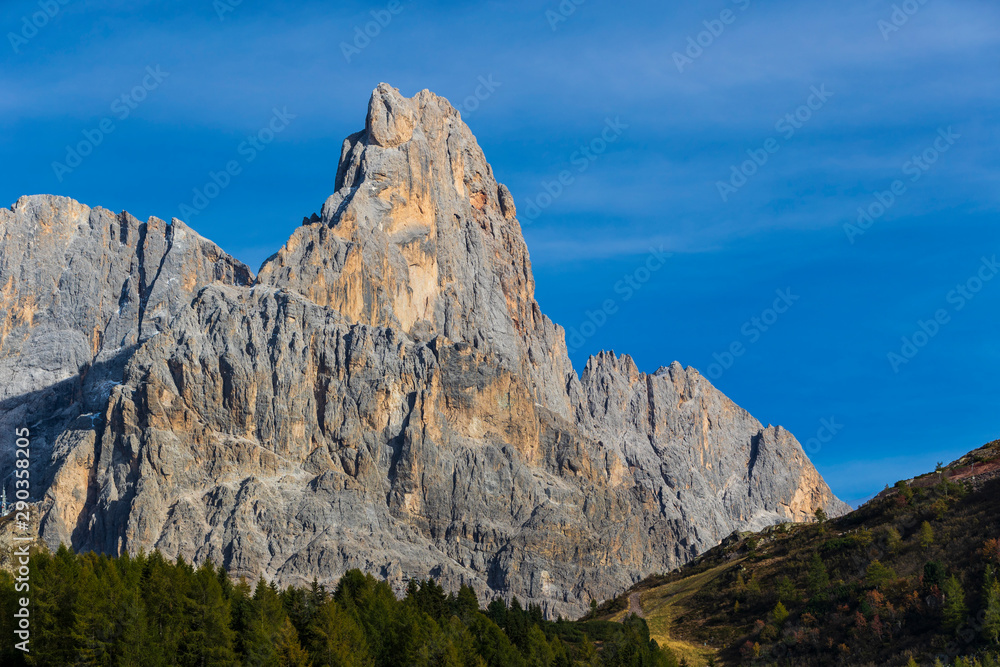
(92,609)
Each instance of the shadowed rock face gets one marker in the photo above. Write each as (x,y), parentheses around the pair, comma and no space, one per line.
(385,394)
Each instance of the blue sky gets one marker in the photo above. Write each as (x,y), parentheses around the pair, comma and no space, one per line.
(886,96)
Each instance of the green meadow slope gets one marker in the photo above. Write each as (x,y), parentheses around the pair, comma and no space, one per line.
(909,578)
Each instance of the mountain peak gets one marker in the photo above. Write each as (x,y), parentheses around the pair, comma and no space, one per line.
(385,394)
(391,117)
(420,237)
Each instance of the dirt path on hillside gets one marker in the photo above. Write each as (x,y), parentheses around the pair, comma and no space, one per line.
(635,605)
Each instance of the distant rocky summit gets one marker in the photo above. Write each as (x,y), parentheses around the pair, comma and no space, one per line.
(385,394)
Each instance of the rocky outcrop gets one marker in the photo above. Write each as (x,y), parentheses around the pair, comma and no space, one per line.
(386,394)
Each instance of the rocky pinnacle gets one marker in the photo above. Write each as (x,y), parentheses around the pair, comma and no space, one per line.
(386,394)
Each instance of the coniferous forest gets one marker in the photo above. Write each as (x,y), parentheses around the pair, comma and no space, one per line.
(146,611)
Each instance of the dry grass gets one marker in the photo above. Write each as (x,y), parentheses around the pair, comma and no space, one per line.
(663,605)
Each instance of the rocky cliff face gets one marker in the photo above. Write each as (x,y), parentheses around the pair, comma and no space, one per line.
(385,394)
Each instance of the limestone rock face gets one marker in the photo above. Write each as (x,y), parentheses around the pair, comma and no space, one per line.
(386,394)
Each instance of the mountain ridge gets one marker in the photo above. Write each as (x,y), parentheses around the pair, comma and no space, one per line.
(385,393)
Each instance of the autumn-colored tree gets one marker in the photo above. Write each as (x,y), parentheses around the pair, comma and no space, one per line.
(779,614)
(905,492)
(289,651)
(879,574)
(940,508)
(991,551)
(335,638)
(876,626)
(926,535)
(893,540)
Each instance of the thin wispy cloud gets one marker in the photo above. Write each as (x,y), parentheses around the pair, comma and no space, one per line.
(657,185)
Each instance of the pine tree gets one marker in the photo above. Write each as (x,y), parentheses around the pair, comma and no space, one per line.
(136,647)
(494,646)
(431,599)
(353,585)
(537,651)
(497,611)
(9,602)
(318,594)
(439,649)
(562,658)
(53,586)
(516,626)
(466,602)
(260,629)
(933,574)
(878,574)
(779,614)
(588,653)
(335,638)
(991,614)
(208,637)
(298,607)
(93,629)
(289,651)
(955,610)
(162,588)
(785,589)
(460,637)
(535,614)
(818,578)
(893,540)
(926,535)
(395,631)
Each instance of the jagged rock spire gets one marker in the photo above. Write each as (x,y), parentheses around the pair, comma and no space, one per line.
(386,394)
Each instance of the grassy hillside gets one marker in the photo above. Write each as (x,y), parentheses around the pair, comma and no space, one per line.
(909,578)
